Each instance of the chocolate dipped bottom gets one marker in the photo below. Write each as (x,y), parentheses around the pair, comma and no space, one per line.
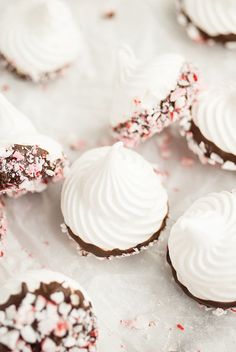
(207,303)
(201,250)
(43,78)
(101,253)
(29,160)
(54,317)
(29,23)
(28,164)
(210,125)
(210,146)
(197,32)
(221,38)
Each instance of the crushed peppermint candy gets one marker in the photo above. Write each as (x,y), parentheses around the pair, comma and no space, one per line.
(146,123)
(180,327)
(3,228)
(28,169)
(52,318)
(187,162)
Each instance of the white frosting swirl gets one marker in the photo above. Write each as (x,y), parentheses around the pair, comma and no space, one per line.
(214,114)
(16,128)
(113,199)
(33,279)
(202,247)
(38,36)
(142,85)
(214,17)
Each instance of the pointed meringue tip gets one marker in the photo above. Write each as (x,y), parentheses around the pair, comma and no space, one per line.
(114,148)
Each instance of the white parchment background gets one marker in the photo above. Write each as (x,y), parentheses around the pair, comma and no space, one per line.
(138,290)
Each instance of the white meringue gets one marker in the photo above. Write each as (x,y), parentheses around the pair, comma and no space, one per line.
(202,247)
(113,199)
(38,37)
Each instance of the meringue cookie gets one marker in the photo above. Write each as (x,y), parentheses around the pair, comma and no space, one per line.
(113,202)
(150,95)
(202,247)
(38,38)
(46,311)
(210,128)
(209,20)
(28,159)
(3,227)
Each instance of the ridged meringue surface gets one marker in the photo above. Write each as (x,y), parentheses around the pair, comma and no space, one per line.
(38,36)
(214,17)
(202,247)
(214,114)
(112,198)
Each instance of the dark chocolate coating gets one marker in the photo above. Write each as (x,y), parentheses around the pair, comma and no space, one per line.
(221,38)
(207,303)
(45,290)
(10,179)
(45,77)
(99,252)
(210,146)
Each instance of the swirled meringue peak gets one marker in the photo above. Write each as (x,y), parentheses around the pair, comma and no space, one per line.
(213,20)
(113,202)
(28,159)
(38,38)
(210,129)
(149,95)
(202,247)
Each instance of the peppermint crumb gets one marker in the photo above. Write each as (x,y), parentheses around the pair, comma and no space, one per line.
(180,327)
(152,323)
(187,162)
(5,88)
(109,14)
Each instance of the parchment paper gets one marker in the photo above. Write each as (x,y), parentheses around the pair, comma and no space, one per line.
(138,305)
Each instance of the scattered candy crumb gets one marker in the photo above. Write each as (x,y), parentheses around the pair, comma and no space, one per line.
(164,147)
(180,327)
(109,14)
(139,323)
(187,162)
(5,88)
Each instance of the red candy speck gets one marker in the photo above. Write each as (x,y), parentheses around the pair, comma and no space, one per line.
(180,327)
